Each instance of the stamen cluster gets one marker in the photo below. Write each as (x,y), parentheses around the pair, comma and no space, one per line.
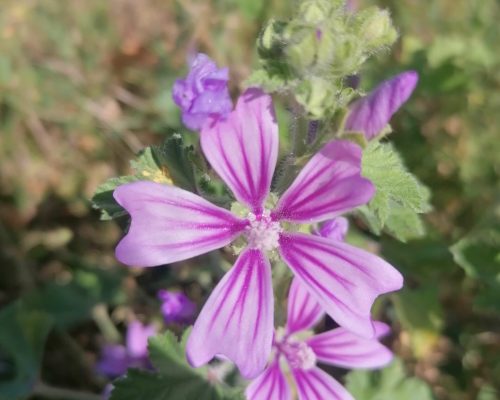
(262,231)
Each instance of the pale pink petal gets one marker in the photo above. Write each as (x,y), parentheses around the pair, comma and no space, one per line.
(270,385)
(237,319)
(327,186)
(170,224)
(315,384)
(343,348)
(372,113)
(243,148)
(137,338)
(343,279)
(303,310)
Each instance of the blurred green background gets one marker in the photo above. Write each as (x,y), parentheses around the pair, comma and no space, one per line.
(84,85)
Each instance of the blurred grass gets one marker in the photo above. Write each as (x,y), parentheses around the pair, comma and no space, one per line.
(86,84)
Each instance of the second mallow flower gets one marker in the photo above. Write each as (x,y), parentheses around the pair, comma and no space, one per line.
(297,351)
(170,224)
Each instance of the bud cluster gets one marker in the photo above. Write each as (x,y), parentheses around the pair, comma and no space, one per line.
(315,51)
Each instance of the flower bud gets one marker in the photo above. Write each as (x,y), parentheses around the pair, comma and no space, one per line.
(271,42)
(315,95)
(377,29)
(301,52)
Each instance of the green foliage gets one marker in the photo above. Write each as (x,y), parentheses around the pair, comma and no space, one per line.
(72,303)
(423,322)
(174,378)
(391,383)
(172,162)
(22,340)
(399,198)
(478,253)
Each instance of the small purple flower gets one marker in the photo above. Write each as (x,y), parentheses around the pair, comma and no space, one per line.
(170,224)
(116,359)
(301,351)
(203,93)
(372,113)
(176,307)
(335,229)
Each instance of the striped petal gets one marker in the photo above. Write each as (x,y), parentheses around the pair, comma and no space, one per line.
(315,384)
(343,279)
(342,348)
(372,113)
(170,224)
(237,319)
(270,385)
(303,310)
(329,184)
(243,148)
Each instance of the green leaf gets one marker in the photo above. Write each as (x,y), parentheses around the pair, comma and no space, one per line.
(391,383)
(179,160)
(148,166)
(73,302)
(399,198)
(23,335)
(478,253)
(103,197)
(174,377)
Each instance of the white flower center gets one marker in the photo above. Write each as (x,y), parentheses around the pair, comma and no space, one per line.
(298,354)
(263,232)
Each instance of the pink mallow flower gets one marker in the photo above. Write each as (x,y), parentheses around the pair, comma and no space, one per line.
(296,352)
(176,307)
(116,359)
(203,94)
(370,114)
(170,224)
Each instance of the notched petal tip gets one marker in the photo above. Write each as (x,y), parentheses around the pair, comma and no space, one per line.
(169,224)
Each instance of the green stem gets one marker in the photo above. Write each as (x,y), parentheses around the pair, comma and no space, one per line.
(106,326)
(52,392)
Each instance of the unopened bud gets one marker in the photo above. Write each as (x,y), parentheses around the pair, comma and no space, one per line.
(315,95)
(378,30)
(301,52)
(271,42)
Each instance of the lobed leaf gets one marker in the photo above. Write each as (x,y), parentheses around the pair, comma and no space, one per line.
(174,378)
(399,198)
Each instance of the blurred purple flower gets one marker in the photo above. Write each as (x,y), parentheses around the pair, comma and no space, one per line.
(116,359)
(301,352)
(352,5)
(372,113)
(176,307)
(203,93)
(170,224)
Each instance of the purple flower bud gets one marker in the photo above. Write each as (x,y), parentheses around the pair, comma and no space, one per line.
(372,113)
(203,93)
(176,307)
(334,229)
